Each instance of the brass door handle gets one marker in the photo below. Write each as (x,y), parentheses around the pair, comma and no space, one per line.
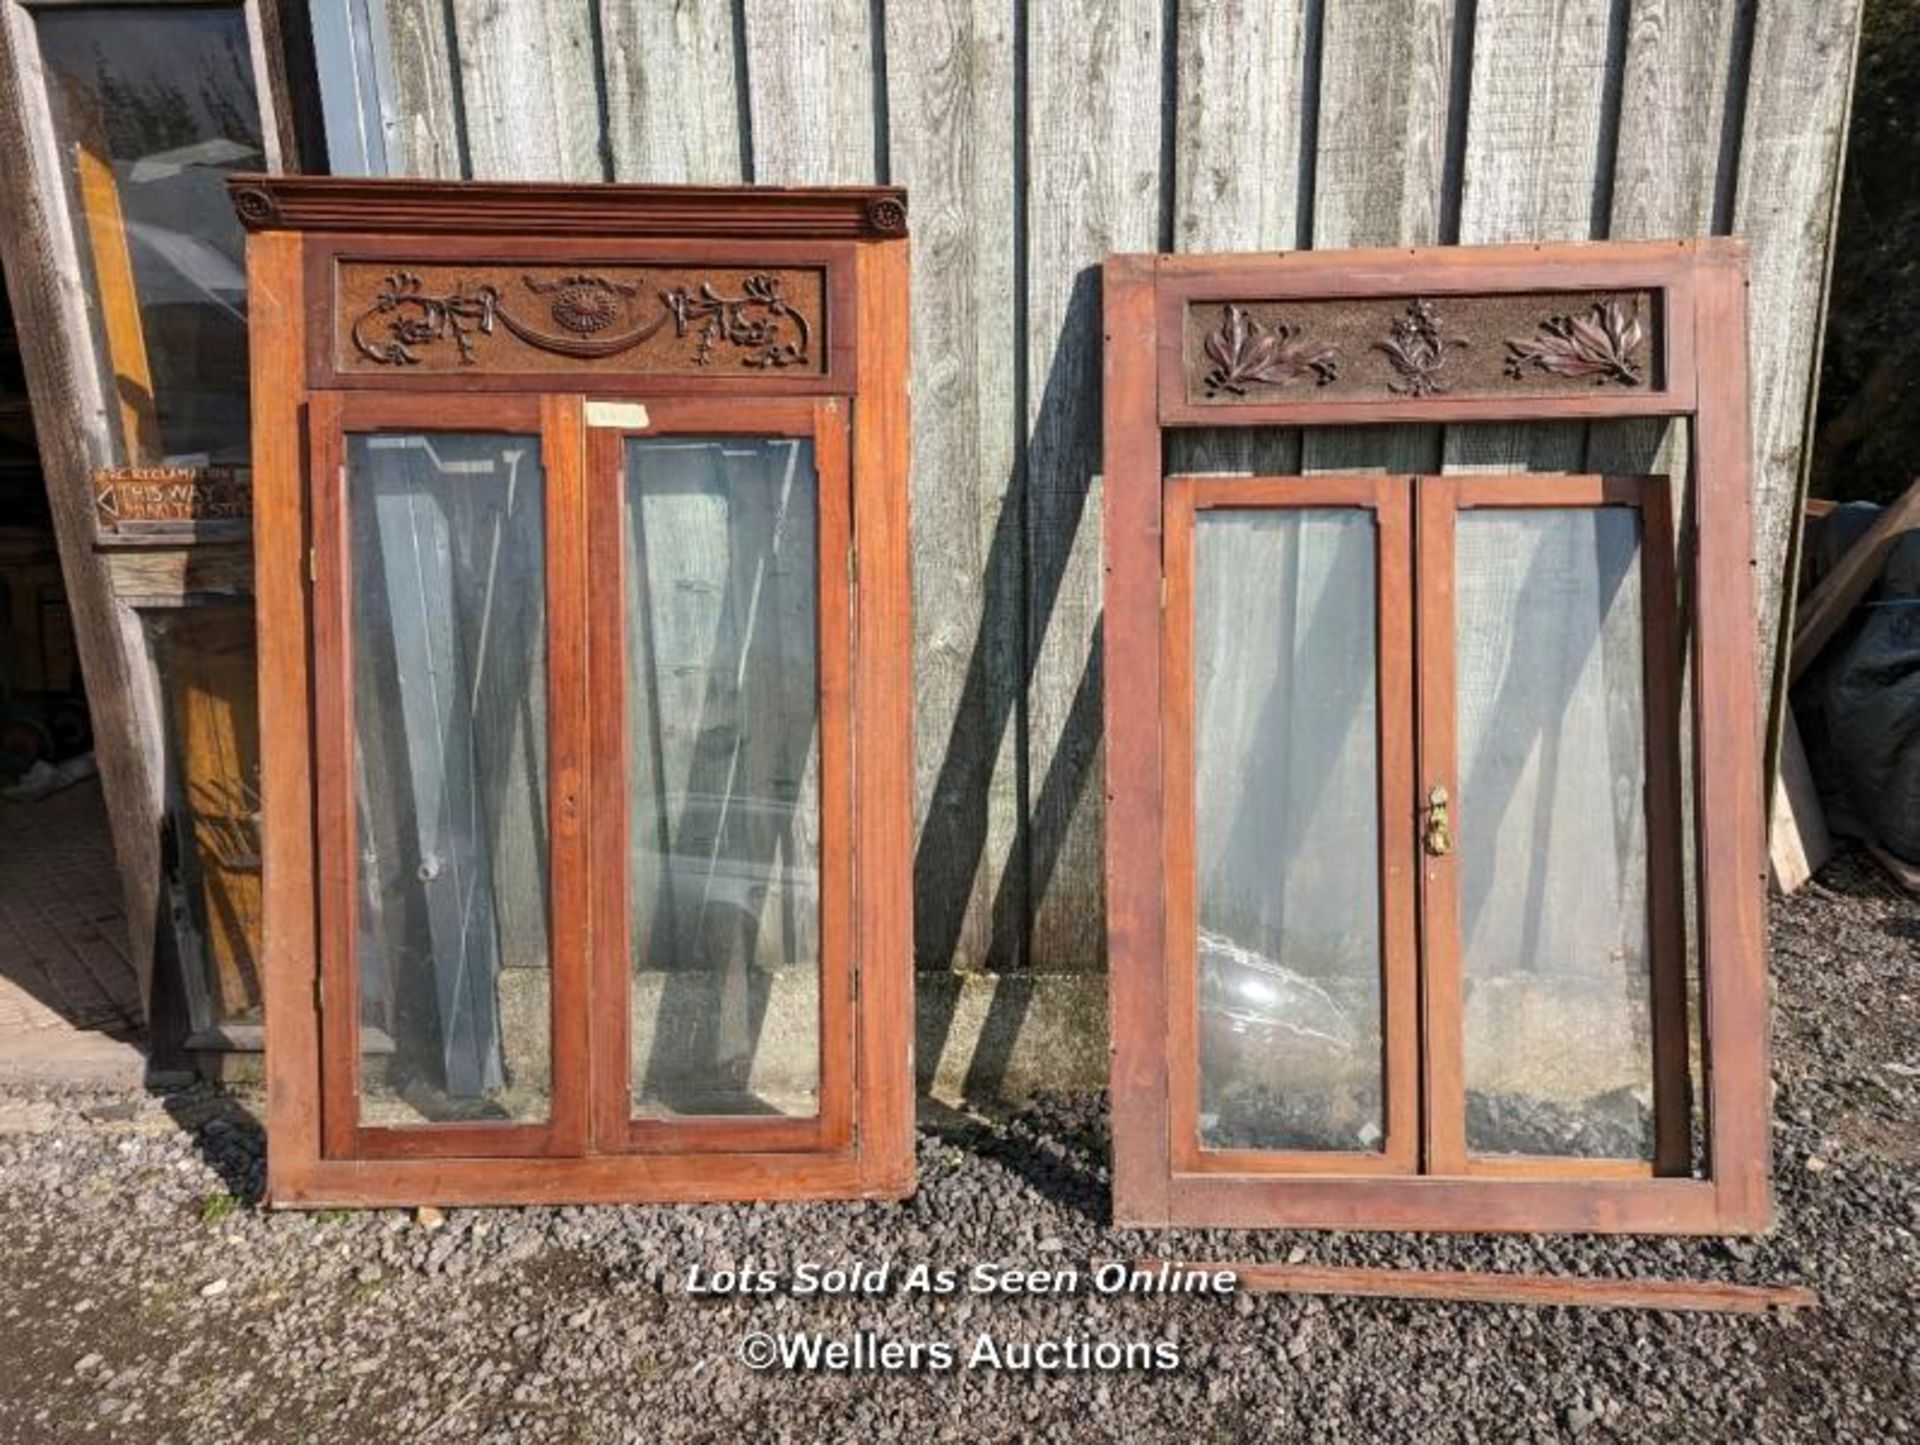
(1439,838)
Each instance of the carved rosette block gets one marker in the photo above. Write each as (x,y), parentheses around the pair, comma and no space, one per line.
(887,215)
(255,207)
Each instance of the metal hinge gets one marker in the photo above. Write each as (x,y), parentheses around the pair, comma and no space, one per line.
(313,564)
(1163,592)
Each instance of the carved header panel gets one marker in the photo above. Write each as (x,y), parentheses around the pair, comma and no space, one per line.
(541,320)
(1419,348)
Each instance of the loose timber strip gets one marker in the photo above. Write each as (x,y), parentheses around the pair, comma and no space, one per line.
(1799,843)
(1847,581)
(1696,1296)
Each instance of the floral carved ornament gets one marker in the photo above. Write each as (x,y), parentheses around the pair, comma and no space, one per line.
(1602,346)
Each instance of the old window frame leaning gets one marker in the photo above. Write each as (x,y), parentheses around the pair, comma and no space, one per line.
(130,586)
(317,381)
(1160,377)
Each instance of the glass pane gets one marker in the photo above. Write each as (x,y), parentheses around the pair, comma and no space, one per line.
(1286,830)
(450,716)
(152,107)
(723,767)
(1551,833)
(204,657)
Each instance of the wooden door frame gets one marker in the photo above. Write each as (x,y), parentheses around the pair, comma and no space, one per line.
(824,422)
(1387,501)
(557,427)
(1441,499)
(77,429)
(860,229)
(1694,371)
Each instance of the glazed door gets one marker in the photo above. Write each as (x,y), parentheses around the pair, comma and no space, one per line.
(723,982)
(1554,959)
(450,770)
(1422,823)
(1288,757)
(583,751)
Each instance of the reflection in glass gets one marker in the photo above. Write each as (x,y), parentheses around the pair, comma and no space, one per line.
(1286,830)
(152,107)
(1551,833)
(723,770)
(204,658)
(450,720)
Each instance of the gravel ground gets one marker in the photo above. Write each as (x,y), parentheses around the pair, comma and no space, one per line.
(148,1298)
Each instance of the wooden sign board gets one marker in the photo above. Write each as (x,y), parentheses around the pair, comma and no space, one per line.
(148,505)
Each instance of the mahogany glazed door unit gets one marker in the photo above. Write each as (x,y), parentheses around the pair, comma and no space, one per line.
(583,578)
(1408,925)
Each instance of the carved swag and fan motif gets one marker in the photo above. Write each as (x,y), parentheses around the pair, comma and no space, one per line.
(654,318)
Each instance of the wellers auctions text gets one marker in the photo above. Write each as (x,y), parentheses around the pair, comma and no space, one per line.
(867,1352)
(803,1279)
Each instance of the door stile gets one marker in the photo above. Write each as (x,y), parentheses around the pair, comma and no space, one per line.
(1177,789)
(1666,851)
(1399,842)
(569,771)
(611,936)
(1436,789)
(334,772)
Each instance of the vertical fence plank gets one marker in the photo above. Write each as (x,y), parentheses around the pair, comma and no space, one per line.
(673,107)
(950,88)
(1673,99)
(811,91)
(531,88)
(1237,174)
(426,139)
(1094,73)
(1379,173)
(1790,153)
(1531,173)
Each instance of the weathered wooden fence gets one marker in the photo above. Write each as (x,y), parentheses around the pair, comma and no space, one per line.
(1037,136)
